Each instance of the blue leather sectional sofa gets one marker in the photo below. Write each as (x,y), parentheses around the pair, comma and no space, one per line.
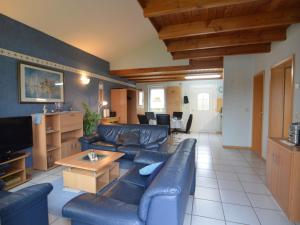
(158,199)
(27,206)
(152,138)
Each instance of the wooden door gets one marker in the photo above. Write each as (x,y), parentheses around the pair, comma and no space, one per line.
(257,121)
(276,103)
(118,98)
(173,99)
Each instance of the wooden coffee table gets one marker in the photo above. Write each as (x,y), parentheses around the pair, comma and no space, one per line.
(82,174)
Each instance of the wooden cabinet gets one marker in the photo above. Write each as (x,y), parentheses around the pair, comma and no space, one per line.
(283,177)
(56,137)
(124,103)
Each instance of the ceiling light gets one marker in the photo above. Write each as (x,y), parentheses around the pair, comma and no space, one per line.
(204,76)
(85,80)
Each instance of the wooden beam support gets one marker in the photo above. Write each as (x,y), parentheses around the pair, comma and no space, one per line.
(169,80)
(213,52)
(155,8)
(256,21)
(226,40)
(167,70)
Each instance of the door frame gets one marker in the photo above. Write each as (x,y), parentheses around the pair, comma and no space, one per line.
(261,96)
(291,60)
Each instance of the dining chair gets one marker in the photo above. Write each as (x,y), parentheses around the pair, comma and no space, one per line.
(150,115)
(164,119)
(178,115)
(143,119)
(188,126)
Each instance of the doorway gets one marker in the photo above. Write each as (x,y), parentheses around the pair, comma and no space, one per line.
(206,118)
(257,120)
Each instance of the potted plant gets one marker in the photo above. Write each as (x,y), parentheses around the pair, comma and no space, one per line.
(90,120)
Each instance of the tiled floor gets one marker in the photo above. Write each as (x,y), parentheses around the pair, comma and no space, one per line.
(230,188)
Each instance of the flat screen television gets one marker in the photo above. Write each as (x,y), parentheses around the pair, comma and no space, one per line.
(15,135)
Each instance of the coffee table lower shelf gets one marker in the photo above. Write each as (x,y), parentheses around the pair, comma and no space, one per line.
(90,181)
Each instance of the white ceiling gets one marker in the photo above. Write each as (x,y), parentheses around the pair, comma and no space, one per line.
(105,28)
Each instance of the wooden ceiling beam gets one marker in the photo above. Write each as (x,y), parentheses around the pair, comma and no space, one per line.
(226,40)
(154,8)
(166,70)
(170,80)
(248,22)
(213,52)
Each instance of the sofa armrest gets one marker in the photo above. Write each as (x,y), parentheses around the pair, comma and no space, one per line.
(2,184)
(152,146)
(24,199)
(93,209)
(149,157)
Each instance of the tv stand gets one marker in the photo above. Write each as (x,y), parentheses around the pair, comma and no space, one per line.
(10,156)
(14,172)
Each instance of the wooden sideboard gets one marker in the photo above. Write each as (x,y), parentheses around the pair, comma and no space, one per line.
(56,137)
(283,176)
(109,120)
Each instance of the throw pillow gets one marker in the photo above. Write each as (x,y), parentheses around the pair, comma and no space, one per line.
(154,174)
(147,170)
(127,139)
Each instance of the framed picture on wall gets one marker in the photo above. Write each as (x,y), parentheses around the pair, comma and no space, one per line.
(40,84)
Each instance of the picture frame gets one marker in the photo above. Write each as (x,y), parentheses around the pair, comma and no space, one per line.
(39,84)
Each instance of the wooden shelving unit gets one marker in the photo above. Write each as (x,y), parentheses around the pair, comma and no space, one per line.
(16,172)
(56,137)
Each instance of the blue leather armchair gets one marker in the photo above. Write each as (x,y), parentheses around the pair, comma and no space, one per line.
(25,207)
(141,200)
(150,137)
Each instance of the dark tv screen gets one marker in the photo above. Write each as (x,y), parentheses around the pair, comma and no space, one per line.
(15,134)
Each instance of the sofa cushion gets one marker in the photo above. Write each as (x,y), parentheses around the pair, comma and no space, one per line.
(95,209)
(151,177)
(127,139)
(133,176)
(130,151)
(4,194)
(102,145)
(152,134)
(126,192)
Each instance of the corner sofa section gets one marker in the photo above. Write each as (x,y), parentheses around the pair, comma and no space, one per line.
(152,138)
(133,200)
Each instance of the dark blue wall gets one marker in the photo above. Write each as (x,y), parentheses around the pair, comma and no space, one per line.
(18,37)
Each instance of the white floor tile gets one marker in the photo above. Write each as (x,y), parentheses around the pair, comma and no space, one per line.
(52,218)
(240,214)
(206,182)
(187,219)
(197,220)
(189,207)
(227,176)
(61,221)
(27,184)
(230,185)
(263,201)
(235,197)
(208,209)
(271,217)
(207,194)
(249,178)
(255,188)
(206,173)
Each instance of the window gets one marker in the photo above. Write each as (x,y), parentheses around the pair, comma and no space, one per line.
(157,100)
(141,98)
(203,101)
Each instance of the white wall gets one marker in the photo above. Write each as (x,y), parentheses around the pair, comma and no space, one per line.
(186,91)
(152,54)
(238,78)
(237,109)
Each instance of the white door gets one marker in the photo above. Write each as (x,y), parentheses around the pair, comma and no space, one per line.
(204,109)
